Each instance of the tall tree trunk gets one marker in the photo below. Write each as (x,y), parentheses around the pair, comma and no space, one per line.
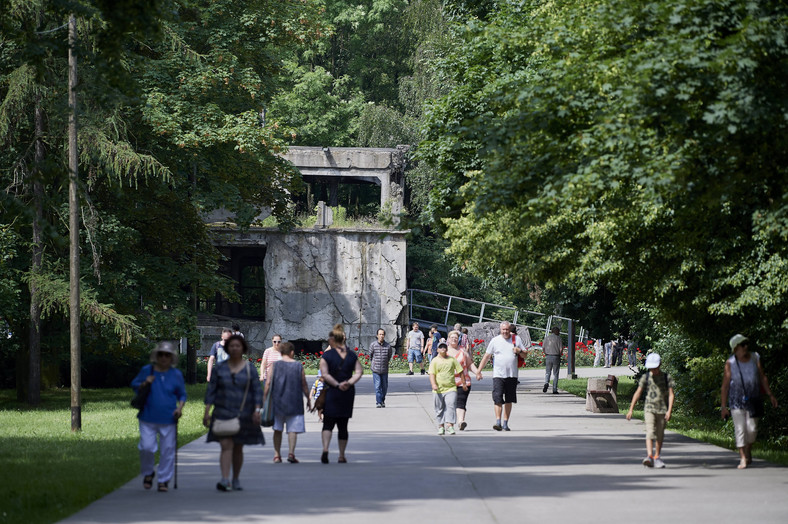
(37,249)
(191,345)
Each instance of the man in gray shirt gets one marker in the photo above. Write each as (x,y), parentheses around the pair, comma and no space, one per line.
(553,348)
(380,353)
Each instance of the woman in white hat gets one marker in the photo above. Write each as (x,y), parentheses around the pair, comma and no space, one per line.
(163,408)
(742,384)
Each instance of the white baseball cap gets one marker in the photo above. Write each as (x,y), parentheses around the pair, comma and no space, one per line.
(736,340)
(653,361)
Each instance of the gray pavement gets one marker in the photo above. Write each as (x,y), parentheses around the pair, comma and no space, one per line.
(558,462)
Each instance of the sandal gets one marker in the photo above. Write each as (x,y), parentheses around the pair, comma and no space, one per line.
(342,460)
(277,460)
(147,481)
(163,487)
(291,459)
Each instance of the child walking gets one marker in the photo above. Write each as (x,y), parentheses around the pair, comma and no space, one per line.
(443,369)
(657,409)
(287,384)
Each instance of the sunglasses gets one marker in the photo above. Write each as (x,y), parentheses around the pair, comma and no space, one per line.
(276,341)
(163,354)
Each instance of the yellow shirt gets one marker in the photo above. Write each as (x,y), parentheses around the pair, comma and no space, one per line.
(444,370)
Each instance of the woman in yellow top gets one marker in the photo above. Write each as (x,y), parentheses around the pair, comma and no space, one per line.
(443,370)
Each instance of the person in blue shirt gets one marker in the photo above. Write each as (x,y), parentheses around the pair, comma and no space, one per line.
(163,408)
(435,338)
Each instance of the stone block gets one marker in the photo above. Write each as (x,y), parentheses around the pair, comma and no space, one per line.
(599,397)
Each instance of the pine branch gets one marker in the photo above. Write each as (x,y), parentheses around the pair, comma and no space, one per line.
(53,295)
(118,159)
(22,89)
(179,45)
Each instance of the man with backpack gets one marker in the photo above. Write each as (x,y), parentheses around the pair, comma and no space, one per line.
(218,354)
(656,388)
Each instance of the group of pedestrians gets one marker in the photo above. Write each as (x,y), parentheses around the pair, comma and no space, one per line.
(614,350)
(236,393)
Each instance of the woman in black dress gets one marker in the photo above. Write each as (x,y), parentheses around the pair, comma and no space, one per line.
(340,369)
(230,381)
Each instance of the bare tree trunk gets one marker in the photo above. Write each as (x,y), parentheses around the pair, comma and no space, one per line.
(37,248)
(191,346)
(73,224)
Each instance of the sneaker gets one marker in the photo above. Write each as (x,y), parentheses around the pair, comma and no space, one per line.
(224,486)
(451,431)
(237,485)
(383,404)
(544,389)
(506,428)
(423,372)
(441,431)
(658,463)
(555,392)
(378,405)
(497,427)
(648,462)
(409,373)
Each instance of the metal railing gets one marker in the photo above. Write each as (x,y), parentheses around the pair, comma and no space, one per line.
(470,310)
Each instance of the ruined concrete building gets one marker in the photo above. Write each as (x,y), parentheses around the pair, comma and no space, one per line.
(300,283)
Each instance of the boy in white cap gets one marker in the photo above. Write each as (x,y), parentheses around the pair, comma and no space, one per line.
(657,409)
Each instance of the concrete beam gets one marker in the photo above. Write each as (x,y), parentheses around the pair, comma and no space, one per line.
(381,166)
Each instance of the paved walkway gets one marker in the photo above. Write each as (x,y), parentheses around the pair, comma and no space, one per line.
(558,462)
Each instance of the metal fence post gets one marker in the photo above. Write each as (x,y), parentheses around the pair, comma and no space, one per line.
(570,370)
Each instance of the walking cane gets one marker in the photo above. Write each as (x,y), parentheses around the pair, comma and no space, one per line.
(176,454)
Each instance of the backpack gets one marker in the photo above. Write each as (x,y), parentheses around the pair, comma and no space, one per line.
(648,379)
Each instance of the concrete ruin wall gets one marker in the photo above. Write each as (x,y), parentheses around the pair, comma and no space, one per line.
(317,278)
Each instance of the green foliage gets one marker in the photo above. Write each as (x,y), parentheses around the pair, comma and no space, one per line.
(169,99)
(322,109)
(54,299)
(632,147)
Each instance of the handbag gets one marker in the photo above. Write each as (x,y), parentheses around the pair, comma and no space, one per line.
(317,391)
(755,402)
(267,413)
(231,426)
(141,398)
(320,400)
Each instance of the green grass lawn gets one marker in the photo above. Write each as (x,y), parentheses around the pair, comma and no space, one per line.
(48,472)
(706,429)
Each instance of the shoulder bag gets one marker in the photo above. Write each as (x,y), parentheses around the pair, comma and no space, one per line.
(267,414)
(230,427)
(141,398)
(755,402)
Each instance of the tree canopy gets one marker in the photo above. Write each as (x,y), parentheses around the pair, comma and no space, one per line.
(170,98)
(635,146)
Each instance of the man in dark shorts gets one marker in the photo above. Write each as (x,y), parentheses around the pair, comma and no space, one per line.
(505,349)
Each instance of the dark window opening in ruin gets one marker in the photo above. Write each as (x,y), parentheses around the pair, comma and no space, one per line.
(252,290)
(359,198)
(244,265)
(310,347)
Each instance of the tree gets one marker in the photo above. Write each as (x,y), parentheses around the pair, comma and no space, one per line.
(637,147)
(170,129)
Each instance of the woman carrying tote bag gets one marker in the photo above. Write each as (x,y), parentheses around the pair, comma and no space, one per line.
(234,391)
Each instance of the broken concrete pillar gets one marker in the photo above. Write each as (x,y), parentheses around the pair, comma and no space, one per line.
(325,216)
